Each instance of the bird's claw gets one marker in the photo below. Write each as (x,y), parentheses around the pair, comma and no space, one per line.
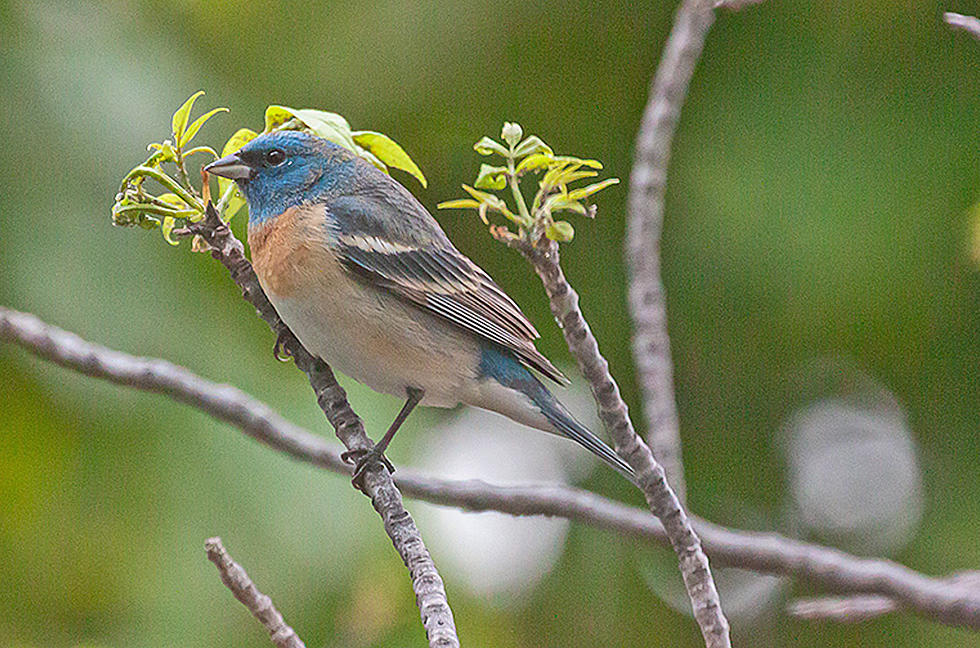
(362,460)
(279,350)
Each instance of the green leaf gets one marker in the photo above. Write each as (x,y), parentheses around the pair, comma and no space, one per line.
(568,159)
(459,203)
(174,200)
(196,126)
(168,227)
(585,192)
(276,116)
(568,177)
(164,153)
(241,137)
(559,202)
(487,146)
(535,162)
(179,121)
(533,144)
(490,200)
(234,204)
(560,231)
(330,126)
(491,177)
(389,152)
(482,196)
(201,149)
(511,133)
(371,157)
(558,176)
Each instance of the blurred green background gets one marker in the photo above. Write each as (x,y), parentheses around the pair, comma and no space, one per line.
(818,205)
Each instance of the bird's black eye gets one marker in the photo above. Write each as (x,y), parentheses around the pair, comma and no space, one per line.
(275,157)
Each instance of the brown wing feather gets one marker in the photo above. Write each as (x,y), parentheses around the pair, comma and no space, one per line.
(446,283)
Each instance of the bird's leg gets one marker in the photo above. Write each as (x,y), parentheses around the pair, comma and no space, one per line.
(279,349)
(364,458)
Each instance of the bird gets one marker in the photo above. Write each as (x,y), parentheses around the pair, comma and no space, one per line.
(368,281)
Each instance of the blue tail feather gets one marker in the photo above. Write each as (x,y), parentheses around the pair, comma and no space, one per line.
(508,371)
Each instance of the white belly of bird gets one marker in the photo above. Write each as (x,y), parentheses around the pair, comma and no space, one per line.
(382,342)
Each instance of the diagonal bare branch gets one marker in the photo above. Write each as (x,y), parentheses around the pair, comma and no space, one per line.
(430,592)
(236,579)
(614,413)
(951,602)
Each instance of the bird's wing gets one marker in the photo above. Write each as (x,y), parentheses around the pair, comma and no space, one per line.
(440,279)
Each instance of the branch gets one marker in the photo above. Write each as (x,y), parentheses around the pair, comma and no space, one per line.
(648,183)
(260,605)
(952,603)
(864,607)
(968,24)
(430,593)
(615,416)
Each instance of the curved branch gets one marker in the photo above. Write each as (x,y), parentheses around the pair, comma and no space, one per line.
(430,592)
(954,603)
(236,579)
(648,186)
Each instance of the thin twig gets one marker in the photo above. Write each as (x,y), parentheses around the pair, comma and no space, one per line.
(863,607)
(615,416)
(260,605)
(430,592)
(954,603)
(842,609)
(969,24)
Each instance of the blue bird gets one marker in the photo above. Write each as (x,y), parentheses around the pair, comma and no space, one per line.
(367,280)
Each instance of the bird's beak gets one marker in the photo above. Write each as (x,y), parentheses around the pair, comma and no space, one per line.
(231,167)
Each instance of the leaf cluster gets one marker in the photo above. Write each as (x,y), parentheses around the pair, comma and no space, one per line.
(181,202)
(530,156)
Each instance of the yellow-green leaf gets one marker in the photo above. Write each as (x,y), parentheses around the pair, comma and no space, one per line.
(179,121)
(562,203)
(491,177)
(533,144)
(330,126)
(235,202)
(234,205)
(168,227)
(560,231)
(276,116)
(174,200)
(371,157)
(487,146)
(585,192)
(511,133)
(459,203)
(535,162)
(569,159)
(195,126)
(389,152)
(482,196)
(241,137)
(568,177)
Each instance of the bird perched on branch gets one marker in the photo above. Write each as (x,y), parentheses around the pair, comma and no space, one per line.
(367,280)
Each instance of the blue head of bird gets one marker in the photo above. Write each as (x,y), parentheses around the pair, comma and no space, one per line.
(284,169)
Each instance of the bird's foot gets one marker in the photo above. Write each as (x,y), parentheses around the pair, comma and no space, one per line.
(362,460)
(279,350)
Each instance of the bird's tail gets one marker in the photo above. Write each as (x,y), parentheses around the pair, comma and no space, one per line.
(515,385)
(566,425)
